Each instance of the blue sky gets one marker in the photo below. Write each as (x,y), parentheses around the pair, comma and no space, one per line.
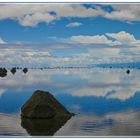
(13,32)
(69,34)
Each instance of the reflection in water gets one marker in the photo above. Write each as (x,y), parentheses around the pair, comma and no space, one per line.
(106,101)
(10,125)
(43,127)
(3,74)
(111,84)
(114,124)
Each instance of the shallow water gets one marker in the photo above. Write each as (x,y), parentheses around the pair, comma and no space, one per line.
(106,101)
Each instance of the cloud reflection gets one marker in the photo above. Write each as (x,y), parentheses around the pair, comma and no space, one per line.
(10,125)
(111,84)
(116,124)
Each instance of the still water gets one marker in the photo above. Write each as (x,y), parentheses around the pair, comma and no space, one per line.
(106,101)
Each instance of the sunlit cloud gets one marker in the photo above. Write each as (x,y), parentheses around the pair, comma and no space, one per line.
(74,24)
(121,38)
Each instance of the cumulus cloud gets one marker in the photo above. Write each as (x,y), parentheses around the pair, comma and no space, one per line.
(32,14)
(74,24)
(124,12)
(97,39)
(48,56)
(42,57)
(22,57)
(116,39)
(34,19)
(2,41)
(129,51)
(125,38)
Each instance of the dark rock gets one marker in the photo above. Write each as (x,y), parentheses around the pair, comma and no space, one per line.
(25,70)
(18,68)
(43,127)
(13,70)
(3,72)
(43,105)
(128,71)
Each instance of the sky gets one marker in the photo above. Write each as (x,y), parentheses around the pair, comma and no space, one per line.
(66,34)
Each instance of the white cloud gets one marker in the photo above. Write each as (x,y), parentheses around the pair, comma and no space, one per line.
(125,12)
(20,55)
(23,56)
(32,14)
(34,19)
(74,24)
(122,36)
(118,39)
(97,39)
(2,41)
(125,38)
(44,56)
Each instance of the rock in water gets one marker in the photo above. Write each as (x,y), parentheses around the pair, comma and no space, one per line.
(43,105)
(128,71)
(13,70)
(25,70)
(3,72)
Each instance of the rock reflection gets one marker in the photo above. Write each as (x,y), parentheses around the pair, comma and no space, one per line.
(43,127)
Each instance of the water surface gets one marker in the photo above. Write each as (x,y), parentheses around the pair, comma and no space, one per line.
(106,101)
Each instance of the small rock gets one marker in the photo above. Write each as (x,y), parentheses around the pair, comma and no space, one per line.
(3,72)
(13,70)
(25,70)
(128,71)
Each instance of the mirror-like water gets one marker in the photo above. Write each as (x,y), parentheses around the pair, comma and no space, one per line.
(106,101)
